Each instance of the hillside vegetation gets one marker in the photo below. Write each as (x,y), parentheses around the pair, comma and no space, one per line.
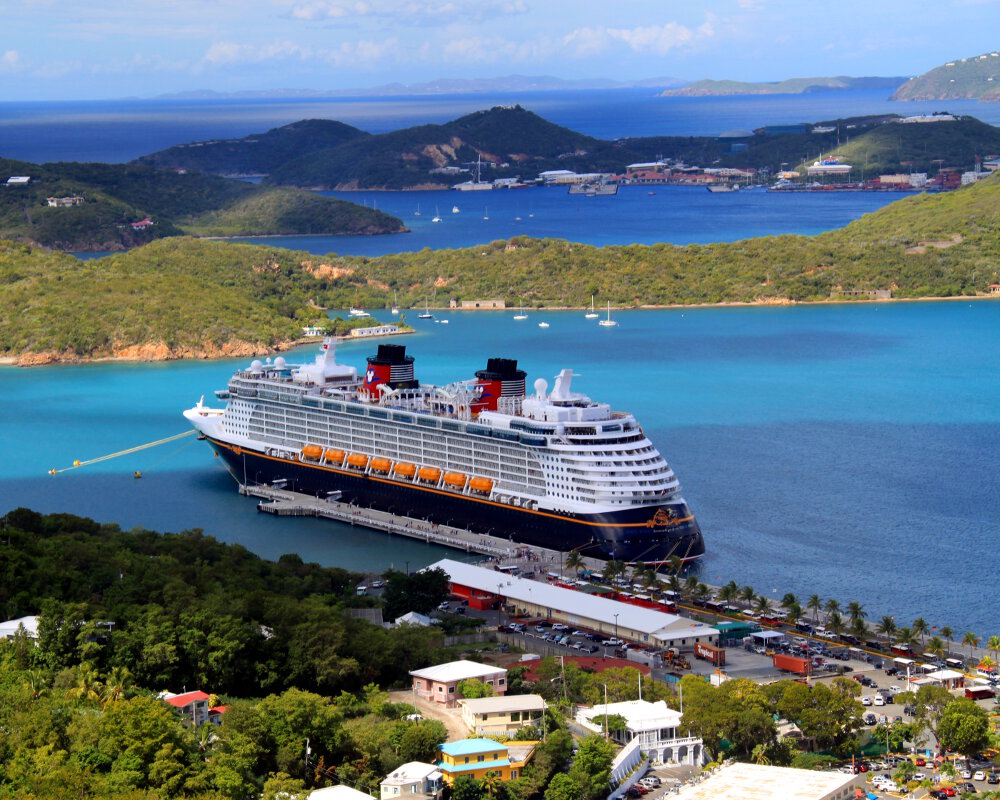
(184,297)
(115,195)
(521,144)
(976,78)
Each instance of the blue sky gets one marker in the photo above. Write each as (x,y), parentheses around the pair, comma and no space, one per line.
(82,49)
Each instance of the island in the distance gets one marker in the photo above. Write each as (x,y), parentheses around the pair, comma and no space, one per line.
(787,86)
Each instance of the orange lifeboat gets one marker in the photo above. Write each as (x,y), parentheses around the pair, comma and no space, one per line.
(313,451)
(456,480)
(405,470)
(484,485)
(335,457)
(429,474)
(382,465)
(357,460)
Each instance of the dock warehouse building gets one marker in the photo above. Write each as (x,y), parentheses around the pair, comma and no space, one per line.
(579,609)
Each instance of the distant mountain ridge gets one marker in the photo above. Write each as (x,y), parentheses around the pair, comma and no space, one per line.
(975,78)
(787,86)
(506,83)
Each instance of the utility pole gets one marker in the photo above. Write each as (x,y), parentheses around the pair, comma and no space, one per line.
(605,712)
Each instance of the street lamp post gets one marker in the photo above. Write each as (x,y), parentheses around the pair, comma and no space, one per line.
(616,625)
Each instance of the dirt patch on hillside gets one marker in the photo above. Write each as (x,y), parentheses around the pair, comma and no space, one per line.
(451,717)
(921,247)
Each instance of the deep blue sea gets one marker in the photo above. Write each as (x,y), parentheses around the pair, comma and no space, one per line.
(849,450)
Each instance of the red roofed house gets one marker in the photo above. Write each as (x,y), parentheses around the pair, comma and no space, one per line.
(192,706)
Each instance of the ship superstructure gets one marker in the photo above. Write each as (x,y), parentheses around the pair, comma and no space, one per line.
(554,469)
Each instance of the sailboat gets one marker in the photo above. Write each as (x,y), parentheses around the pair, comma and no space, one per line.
(427,312)
(608,323)
(521,315)
(486,213)
(395,304)
(591,314)
(417,212)
(437,215)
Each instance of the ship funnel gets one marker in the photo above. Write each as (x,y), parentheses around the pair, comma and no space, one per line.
(501,378)
(389,366)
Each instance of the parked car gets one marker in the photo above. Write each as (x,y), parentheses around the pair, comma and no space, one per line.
(866,701)
(979,775)
(651,781)
(993,778)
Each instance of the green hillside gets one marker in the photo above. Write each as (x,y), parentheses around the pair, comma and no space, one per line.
(976,78)
(259,153)
(914,147)
(113,196)
(185,297)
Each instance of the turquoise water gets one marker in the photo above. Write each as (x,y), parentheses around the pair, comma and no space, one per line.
(846,450)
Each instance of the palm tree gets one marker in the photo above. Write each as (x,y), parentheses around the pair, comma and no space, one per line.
(88,683)
(789,600)
(674,583)
(970,639)
(856,611)
(993,645)
(905,636)
(701,593)
(574,561)
(919,628)
(747,595)
(887,627)
(815,604)
(858,628)
(118,682)
(729,592)
(690,585)
(936,647)
(793,613)
(835,623)
(763,605)
(949,636)
(676,565)
(832,606)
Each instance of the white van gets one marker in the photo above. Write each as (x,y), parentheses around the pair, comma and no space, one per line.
(879,700)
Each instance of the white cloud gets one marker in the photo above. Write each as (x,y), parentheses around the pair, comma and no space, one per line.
(10,61)
(652,39)
(220,53)
(412,12)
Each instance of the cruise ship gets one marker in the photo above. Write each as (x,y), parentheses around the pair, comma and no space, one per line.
(553,468)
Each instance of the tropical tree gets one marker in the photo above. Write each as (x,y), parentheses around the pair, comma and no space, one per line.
(675,565)
(793,613)
(747,595)
(905,636)
(762,605)
(789,600)
(815,604)
(920,628)
(970,639)
(858,628)
(691,585)
(949,636)
(729,592)
(835,623)
(88,683)
(887,627)
(701,593)
(832,606)
(993,645)
(856,611)
(575,561)
(936,647)
(648,577)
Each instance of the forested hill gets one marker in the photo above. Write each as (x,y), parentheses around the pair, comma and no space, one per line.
(207,298)
(258,153)
(400,159)
(118,206)
(976,78)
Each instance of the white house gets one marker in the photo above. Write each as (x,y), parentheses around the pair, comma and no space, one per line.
(440,682)
(414,780)
(29,625)
(654,724)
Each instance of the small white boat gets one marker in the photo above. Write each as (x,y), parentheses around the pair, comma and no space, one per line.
(444,322)
(543,324)
(520,314)
(454,209)
(592,314)
(395,305)
(486,214)
(358,312)
(437,215)
(427,313)
(608,323)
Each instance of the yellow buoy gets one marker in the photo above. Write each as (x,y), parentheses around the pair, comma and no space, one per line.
(52,472)
(76,463)
(137,474)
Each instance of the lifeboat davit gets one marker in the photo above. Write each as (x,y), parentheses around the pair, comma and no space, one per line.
(405,470)
(357,460)
(482,485)
(313,451)
(335,457)
(429,474)
(455,480)
(382,465)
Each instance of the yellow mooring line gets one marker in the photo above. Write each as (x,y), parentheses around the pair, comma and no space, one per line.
(77,464)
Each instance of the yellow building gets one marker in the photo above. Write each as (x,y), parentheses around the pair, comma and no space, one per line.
(477,758)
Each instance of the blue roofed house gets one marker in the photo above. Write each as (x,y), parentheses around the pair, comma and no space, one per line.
(477,758)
